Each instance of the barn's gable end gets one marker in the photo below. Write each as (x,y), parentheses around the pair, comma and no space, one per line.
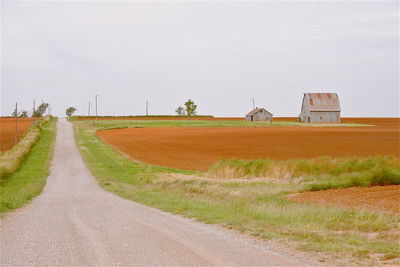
(320,107)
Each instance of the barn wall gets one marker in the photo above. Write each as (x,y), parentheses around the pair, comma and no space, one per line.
(320,116)
(325,117)
(305,109)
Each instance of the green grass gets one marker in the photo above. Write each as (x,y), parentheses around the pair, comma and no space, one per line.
(113,124)
(316,174)
(28,181)
(258,208)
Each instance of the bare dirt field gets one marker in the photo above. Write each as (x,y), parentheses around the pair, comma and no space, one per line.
(386,198)
(197,148)
(7,131)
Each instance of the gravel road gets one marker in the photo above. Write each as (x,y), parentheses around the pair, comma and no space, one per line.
(74,222)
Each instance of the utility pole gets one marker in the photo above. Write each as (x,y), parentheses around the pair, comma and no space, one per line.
(96,105)
(254,105)
(34,108)
(88,109)
(147,107)
(16,123)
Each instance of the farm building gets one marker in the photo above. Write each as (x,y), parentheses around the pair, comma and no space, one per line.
(259,114)
(320,107)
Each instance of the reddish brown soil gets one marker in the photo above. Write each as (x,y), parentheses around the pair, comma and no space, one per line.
(381,198)
(197,148)
(7,131)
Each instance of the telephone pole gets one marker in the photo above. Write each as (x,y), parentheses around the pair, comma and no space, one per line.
(88,109)
(16,123)
(254,105)
(147,107)
(96,105)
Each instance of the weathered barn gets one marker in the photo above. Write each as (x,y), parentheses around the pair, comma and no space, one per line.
(259,114)
(320,107)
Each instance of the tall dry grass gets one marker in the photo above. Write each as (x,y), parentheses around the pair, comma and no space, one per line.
(10,160)
(318,173)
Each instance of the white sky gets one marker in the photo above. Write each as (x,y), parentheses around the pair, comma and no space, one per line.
(220,54)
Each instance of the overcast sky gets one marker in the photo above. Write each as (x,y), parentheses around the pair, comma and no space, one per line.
(220,54)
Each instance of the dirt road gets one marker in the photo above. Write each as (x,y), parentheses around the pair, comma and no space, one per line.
(74,222)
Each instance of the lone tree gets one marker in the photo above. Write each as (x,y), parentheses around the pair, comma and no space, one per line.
(23,114)
(70,111)
(40,111)
(180,111)
(190,108)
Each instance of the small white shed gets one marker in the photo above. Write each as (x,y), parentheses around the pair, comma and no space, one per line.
(259,114)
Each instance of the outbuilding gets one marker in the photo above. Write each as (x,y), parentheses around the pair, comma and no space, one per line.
(259,114)
(320,107)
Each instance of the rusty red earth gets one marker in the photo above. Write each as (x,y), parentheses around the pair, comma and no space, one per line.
(197,148)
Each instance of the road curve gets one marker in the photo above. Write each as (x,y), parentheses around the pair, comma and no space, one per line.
(74,222)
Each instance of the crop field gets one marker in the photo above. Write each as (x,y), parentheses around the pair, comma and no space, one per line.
(197,148)
(7,131)
(270,198)
(200,148)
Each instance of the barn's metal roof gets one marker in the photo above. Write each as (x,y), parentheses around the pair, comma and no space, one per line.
(323,101)
(254,111)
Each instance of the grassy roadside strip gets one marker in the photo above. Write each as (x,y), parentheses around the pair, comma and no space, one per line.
(10,160)
(21,186)
(260,209)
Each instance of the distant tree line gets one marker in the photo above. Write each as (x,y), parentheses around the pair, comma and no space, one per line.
(40,111)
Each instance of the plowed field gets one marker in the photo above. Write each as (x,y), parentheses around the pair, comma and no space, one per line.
(197,148)
(7,131)
(386,198)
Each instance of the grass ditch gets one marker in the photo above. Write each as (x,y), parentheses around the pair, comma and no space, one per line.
(315,174)
(28,180)
(258,208)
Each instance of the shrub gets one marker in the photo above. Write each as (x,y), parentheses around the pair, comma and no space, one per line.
(319,173)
